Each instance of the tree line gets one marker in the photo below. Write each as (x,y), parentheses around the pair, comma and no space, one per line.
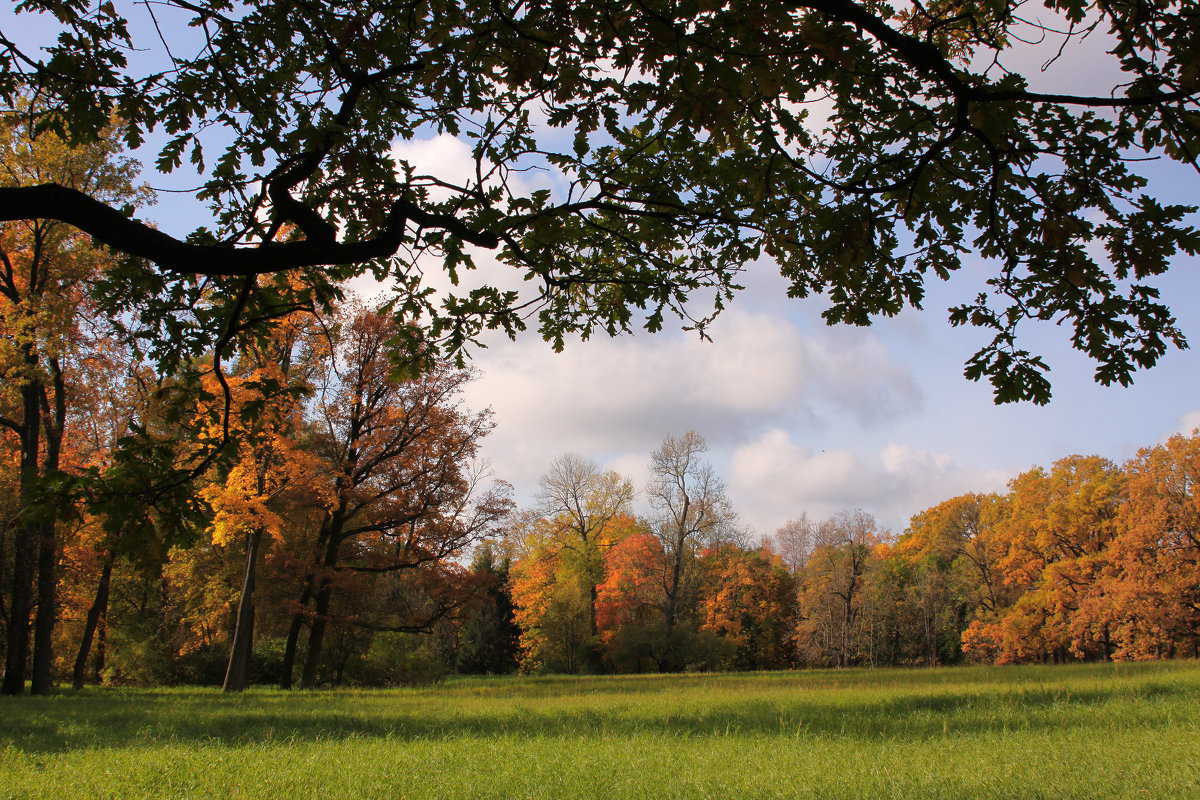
(1087,560)
(315,523)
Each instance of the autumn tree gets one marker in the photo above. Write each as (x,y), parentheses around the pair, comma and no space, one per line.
(946,565)
(631,593)
(582,503)
(749,599)
(1152,591)
(404,497)
(683,143)
(46,268)
(551,607)
(268,459)
(565,548)
(831,587)
(1054,532)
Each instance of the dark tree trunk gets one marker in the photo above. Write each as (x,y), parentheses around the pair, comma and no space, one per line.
(316,633)
(42,672)
(288,668)
(237,675)
(19,607)
(316,636)
(97,612)
(593,594)
(47,582)
(24,543)
(293,640)
(101,646)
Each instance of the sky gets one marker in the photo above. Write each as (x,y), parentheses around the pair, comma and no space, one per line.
(803,418)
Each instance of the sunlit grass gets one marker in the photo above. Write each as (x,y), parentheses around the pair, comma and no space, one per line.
(1055,732)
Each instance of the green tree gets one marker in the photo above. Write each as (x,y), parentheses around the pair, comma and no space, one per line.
(585,508)
(682,139)
(487,639)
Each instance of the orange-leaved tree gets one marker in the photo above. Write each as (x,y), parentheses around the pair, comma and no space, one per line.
(749,597)
(1153,589)
(1053,532)
(269,464)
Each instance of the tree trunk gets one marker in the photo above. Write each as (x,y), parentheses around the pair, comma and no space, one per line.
(24,544)
(19,608)
(42,672)
(237,675)
(98,610)
(101,646)
(316,636)
(47,582)
(293,642)
(316,633)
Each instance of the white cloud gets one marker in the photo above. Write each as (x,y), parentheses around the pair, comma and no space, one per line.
(1188,423)
(773,479)
(445,157)
(614,399)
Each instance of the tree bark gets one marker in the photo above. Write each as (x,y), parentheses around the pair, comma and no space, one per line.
(98,611)
(53,421)
(26,540)
(316,636)
(19,607)
(237,675)
(101,646)
(42,672)
(316,633)
(293,639)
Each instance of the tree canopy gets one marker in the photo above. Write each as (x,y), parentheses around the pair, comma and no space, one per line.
(631,160)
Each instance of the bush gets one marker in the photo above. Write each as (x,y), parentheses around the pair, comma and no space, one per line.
(396,659)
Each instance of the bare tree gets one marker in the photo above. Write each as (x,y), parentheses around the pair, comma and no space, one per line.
(795,541)
(845,542)
(690,511)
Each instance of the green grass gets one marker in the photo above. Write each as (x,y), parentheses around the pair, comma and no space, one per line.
(1095,731)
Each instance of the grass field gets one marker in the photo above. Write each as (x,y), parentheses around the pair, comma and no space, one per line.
(1111,731)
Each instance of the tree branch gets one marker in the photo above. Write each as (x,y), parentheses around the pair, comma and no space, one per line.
(929,59)
(109,226)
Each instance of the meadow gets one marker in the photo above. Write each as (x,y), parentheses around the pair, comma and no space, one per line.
(1084,731)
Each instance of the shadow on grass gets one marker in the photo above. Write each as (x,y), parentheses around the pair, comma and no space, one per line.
(899,705)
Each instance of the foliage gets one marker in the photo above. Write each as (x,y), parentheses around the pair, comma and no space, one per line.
(54,355)
(551,606)
(749,601)
(680,141)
